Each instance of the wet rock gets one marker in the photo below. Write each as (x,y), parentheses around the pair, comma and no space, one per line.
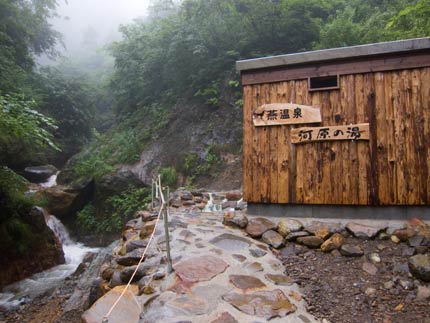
(254,267)
(257,253)
(273,239)
(147,229)
(200,268)
(374,258)
(286,226)
(389,284)
(106,272)
(135,244)
(39,174)
(115,280)
(294,235)
(370,291)
(310,242)
(369,268)
(235,219)
(229,205)
(421,250)
(246,282)
(363,231)
(225,318)
(189,305)
(146,216)
(280,280)
(127,309)
(395,239)
(239,258)
(130,258)
(419,227)
(188,203)
(230,242)
(256,227)
(423,293)
(176,203)
(419,265)
(417,241)
(127,272)
(265,304)
(233,195)
(403,234)
(334,242)
(186,196)
(408,251)
(406,284)
(241,205)
(348,250)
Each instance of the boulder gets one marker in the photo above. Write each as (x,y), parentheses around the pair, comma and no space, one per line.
(419,266)
(294,235)
(39,174)
(334,242)
(256,227)
(130,258)
(363,231)
(228,204)
(273,239)
(285,226)
(126,310)
(348,250)
(233,195)
(310,241)
(135,244)
(186,196)
(235,219)
(147,229)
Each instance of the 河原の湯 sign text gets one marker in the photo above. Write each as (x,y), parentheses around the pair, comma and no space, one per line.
(285,113)
(348,132)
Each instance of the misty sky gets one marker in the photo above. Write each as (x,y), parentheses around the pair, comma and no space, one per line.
(97,20)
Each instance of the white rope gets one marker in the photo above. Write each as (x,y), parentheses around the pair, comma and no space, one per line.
(105,318)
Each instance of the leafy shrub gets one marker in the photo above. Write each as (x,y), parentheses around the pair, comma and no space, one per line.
(122,206)
(169,176)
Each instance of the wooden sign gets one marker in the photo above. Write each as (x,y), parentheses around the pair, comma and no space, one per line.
(285,113)
(349,132)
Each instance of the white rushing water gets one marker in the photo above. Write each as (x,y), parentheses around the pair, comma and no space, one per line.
(25,290)
(210,206)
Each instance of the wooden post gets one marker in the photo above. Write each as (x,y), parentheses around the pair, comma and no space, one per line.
(166,227)
(152,195)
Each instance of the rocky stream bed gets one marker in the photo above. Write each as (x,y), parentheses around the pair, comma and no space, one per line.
(230,267)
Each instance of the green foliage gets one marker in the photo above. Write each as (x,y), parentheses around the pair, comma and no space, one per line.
(24,32)
(21,123)
(169,176)
(122,207)
(412,21)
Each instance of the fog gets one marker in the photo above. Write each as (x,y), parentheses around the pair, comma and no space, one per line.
(89,24)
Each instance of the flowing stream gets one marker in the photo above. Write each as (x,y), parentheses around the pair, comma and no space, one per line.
(74,252)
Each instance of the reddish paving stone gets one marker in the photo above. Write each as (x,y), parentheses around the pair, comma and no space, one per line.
(201,268)
(246,282)
(281,280)
(225,318)
(266,304)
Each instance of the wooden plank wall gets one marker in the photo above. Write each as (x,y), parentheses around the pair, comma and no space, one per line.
(392,168)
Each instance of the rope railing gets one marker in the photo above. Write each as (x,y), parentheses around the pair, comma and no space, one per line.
(157,190)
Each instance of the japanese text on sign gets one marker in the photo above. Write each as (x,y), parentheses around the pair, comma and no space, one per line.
(349,132)
(285,113)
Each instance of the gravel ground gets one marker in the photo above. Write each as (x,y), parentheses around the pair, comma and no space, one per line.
(346,289)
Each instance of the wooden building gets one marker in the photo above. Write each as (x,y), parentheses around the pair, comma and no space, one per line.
(339,127)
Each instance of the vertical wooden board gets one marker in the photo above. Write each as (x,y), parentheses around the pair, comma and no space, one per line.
(425,106)
(399,135)
(283,150)
(275,96)
(390,144)
(336,171)
(381,105)
(352,161)
(247,143)
(265,151)
(292,152)
(363,90)
(256,158)
(305,161)
(420,141)
(411,158)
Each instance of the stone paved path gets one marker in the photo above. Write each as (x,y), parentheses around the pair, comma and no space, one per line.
(221,275)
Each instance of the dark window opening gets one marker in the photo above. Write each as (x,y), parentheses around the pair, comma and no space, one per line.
(323,83)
